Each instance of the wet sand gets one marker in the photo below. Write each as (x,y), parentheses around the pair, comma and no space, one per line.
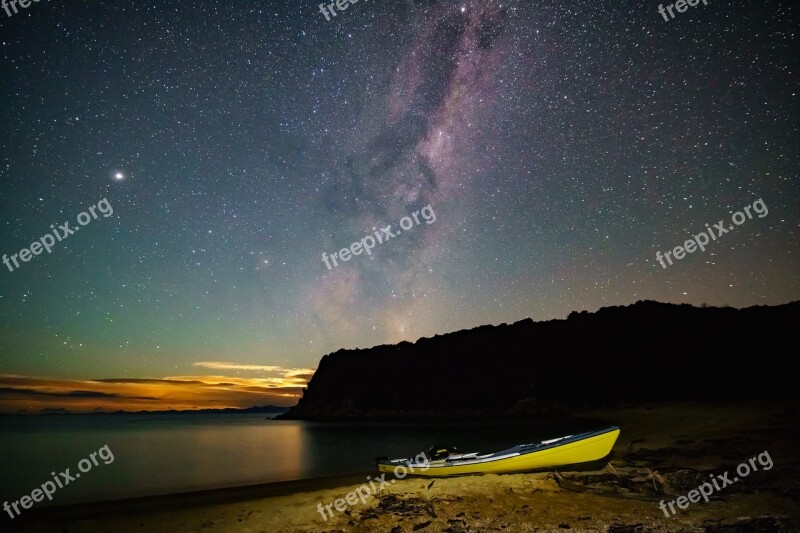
(664,451)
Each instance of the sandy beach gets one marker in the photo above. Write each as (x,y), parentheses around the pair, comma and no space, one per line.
(664,452)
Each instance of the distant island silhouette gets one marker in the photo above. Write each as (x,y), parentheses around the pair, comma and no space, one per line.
(645,352)
(262,409)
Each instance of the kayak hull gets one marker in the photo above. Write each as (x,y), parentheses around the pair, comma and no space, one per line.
(570,450)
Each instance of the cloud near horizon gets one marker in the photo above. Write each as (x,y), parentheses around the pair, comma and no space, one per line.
(223,365)
(27,394)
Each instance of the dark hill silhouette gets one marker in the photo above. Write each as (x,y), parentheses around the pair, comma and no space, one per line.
(644,352)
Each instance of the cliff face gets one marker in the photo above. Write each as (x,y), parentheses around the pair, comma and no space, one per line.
(644,352)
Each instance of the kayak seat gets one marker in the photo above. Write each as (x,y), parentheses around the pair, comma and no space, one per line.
(438,451)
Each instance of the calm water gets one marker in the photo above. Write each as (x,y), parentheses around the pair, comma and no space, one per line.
(160,454)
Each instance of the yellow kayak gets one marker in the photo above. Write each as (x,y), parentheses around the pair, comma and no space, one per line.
(568,450)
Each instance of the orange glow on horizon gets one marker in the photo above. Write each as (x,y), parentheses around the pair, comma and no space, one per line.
(25,394)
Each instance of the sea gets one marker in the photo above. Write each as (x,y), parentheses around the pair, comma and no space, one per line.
(157,454)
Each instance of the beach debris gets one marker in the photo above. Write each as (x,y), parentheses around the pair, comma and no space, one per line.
(422,525)
(431,511)
(431,484)
(369,514)
(653,475)
(632,528)
(646,485)
(457,528)
(747,523)
(567,484)
(408,508)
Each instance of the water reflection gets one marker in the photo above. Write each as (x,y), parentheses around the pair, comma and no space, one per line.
(159,454)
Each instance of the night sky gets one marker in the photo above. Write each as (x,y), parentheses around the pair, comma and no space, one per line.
(560,145)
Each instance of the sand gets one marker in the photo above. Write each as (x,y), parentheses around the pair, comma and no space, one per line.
(664,451)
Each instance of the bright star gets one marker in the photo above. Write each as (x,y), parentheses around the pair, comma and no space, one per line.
(116,173)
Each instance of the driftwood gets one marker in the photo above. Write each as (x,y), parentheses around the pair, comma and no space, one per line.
(647,485)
